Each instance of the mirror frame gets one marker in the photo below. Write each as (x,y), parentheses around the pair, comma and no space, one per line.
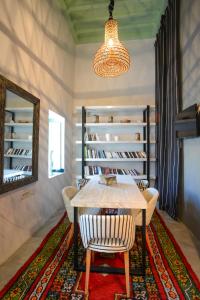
(6,84)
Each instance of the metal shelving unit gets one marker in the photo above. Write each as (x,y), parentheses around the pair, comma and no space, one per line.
(144,124)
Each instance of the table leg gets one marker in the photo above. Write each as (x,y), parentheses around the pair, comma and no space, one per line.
(75,238)
(143,242)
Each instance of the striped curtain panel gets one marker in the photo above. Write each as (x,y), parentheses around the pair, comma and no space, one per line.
(167,106)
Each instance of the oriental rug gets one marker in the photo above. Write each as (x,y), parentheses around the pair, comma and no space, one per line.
(49,274)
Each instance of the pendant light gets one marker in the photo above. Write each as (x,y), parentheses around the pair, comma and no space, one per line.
(112,58)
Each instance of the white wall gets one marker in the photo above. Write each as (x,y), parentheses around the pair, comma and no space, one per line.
(134,87)
(37,53)
(190,45)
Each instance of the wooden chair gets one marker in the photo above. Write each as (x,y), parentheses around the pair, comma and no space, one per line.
(109,234)
(151,196)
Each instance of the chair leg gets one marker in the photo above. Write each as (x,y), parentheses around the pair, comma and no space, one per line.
(92,256)
(148,243)
(126,262)
(87,274)
(71,233)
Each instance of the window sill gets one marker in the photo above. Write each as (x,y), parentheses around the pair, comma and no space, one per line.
(56,174)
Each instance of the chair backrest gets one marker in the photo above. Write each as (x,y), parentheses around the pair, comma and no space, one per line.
(151,196)
(68,193)
(99,227)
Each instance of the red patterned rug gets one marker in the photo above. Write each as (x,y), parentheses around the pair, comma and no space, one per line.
(49,274)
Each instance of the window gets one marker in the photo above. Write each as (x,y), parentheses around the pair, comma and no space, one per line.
(56,144)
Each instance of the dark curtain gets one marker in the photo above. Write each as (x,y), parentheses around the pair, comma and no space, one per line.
(167,106)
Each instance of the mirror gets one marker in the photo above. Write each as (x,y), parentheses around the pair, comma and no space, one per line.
(19,129)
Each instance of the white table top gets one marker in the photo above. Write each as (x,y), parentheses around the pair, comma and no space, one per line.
(124,194)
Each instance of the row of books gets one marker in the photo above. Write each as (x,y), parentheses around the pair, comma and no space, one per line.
(24,168)
(13,178)
(92,137)
(93,153)
(15,151)
(95,170)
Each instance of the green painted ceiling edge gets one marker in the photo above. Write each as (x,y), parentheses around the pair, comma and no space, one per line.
(137,19)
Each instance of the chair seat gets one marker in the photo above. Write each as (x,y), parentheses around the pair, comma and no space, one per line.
(113,245)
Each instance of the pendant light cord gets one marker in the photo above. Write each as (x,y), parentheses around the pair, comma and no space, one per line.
(110,8)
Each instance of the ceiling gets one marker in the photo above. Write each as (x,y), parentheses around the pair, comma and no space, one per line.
(137,19)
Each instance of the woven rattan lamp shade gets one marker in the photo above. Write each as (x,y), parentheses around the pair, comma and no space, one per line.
(112,58)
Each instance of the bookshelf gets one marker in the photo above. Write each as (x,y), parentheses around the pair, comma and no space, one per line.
(18,132)
(115,159)
(115,142)
(18,140)
(17,156)
(105,141)
(19,124)
(112,124)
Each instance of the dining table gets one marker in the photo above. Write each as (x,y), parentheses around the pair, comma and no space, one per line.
(124,194)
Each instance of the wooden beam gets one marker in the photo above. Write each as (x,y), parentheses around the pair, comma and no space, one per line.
(87,18)
(125,21)
(128,34)
(83,5)
(99,18)
(123,28)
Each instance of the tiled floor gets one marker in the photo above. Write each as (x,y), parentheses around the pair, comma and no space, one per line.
(188,243)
